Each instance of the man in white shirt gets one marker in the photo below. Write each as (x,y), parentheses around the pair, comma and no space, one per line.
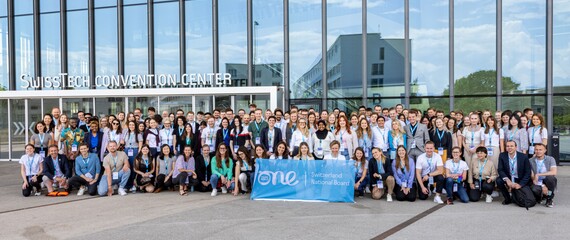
(209,134)
(168,136)
(381,135)
(429,169)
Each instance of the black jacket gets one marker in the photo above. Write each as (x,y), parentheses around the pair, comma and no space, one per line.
(64,166)
(264,138)
(523,168)
(446,141)
(87,140)
(204,172)
(373,168)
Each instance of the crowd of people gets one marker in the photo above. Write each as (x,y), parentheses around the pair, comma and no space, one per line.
(398,152)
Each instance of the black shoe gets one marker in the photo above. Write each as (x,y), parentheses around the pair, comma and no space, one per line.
(505,202)
(549,203)
(449,201)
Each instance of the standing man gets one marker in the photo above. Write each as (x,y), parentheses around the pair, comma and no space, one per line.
(209,134)
(270,136)
(514,175)
(543,175)
(71,138)
(55,113)
(418,135)
(117,171)
(255,128)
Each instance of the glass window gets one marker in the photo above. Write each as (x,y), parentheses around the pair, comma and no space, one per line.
(105,3)
(262,101)
(76,4)
(384,102)
(233,37)
(143,103)
(524,47)
(49,6)
(49,103)
(223,102)
(106,54)
(429,37)
(305,49)
(562,124)
(268,42)
(467,104)
(24,49)
(108,106)
(424,103)
(50,45)
(475,51)
(71,106)
(4,126)
(4,77)
(125,2)
(204,103)
(241,102)
(3,9)
(166,40)
(23,7)
(199,50)
(19,126)
(537,103)
(173,103)
(77,44)
(347,105)
(136,40)
(561,47)
(344,49)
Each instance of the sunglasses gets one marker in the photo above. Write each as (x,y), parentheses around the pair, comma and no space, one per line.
(115,123)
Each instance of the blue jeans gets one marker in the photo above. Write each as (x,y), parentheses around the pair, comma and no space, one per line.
(362,185)
(132,176)
(345,153)
(214,182)
(461,192)
(122,182)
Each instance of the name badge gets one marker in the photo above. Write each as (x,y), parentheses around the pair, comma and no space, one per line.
(392,155)
(74,148)
(212,146)
(130,152)
(385,147)
(257,140)
(115,175)
(430,180)
(342,147)
(539,182)
(413,144)
(531,150)
(43,153)
(455,187)
(404,184)
(367,154)
(236,147)
(320,151)
(380,184)
(88,175)
(440,151)
(271,149)
(477,185)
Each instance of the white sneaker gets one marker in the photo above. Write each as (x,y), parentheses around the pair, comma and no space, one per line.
(224,190)
(495,194)
(437,199)
(367,189)
(81,191)
(443,191)
(389,197)
(133,189)
(214,192)
(122,192)
(489,198)
(37,193)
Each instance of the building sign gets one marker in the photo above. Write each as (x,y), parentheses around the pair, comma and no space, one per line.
(192,80)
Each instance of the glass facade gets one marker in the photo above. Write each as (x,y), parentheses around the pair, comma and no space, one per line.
(361,45)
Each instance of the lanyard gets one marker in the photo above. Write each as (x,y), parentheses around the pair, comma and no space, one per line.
(481,170)
(41,136)
(114,163)
(473,137)
(55,166)
(245,165)
(397,140)
(168,136)
(332,128)
(30,164)
(270,133)
(180,131)
(257,125)
(513,134)
(429,162)
(512,164)
(440,136)
(413,129)
(403,170)
(539,165)
(188,140)
(490,134)
(455,168)
(146,164)
(211,135)
(459,123)
(225,133)
(341,134)
(533,130)
(380,167)
(86,161)
(166,165)
(74,135)
(131,136)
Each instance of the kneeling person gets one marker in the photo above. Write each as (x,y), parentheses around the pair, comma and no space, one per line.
(429,169)
(543,175)
(87,169)
(117,171)
(56,170)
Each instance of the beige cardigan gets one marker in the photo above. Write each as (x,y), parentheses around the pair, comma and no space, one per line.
(488,170)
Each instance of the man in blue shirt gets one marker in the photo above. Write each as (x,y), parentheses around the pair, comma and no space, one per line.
(87,169)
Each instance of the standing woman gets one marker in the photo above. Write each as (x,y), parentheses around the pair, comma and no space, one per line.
(280,152)
(238,136)
(165,169)
(31,168)
(321,140)
(347,139)
(151,137)
(473,137)
(494,141)
(482,176)
(222,170)
(190,139)
(179,130)
(331,123)
(299,136)
(312,123)
(304,153)
(361,171)
(185,171)
(50,125)
(291,126)
(537,133)
(442,139)
(94,139)
(364,134)
(505,116)
(133,142)
(516,132)
(115,133)
(62,124)
(381,175)
(403,168)
(354,123)
(144,167)
(40,139)
(244,170)
(223,134)
(452,129)
(396,137)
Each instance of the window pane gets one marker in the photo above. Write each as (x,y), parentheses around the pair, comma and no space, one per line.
(344,49)
(24,48)
(136,40)
(77,44)
(125,2)
(18,117)
(424,103)
(475,54)
(561,46)
(562,124)
(268,42)
(50,44)
(106,61)
(23,6)
(4,126)
(199,50)
(305,49)
(385,49)
(233,37)
(347,105)
(143,103)
(49,5)
(537,103)
(524,29)
(429,36)
(223,102)
(166,39)
(104,3)
(467,104)
(4,77)
(171,104)
(76,4)
(204,103)
(71,106)
(108,106)
(3,8)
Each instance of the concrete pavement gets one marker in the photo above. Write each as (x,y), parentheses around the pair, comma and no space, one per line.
(198,216)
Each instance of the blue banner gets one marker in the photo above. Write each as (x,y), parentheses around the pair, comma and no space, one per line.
(304,180)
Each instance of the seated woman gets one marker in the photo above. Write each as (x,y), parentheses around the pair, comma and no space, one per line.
(259,152)
(304,153)
(244,170)
(185,171)
(381,175)
(31,170)
(144,168)
(403,168)
(482,175)
(165,167)
(222,170)
(456,172)
(361,172)
(281,151)
(334,154)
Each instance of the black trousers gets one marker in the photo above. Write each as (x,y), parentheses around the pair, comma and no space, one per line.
(160,184)
(550,181)
(475,194)
(181,180)
(31,184)
(439,182)
(400,196)
(77,182)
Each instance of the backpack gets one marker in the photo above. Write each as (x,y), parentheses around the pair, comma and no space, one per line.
(524,197)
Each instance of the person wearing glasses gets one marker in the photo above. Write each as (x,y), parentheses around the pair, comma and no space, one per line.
(301,135)
(244,170)
(168,136)
(456,172)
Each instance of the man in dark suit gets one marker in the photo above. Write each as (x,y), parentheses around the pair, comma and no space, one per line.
(514,172)
(270,136)
(418,135)
(56,169)
(203,169)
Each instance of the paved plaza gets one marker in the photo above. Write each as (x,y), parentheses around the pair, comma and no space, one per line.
(199,216)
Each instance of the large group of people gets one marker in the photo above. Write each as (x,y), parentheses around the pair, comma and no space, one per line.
(408,154)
